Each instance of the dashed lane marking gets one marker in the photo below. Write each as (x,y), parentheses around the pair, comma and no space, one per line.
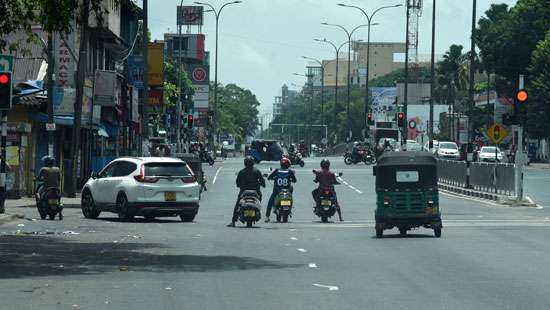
(350,186)
(216,176)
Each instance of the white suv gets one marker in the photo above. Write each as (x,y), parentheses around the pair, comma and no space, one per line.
(150,187)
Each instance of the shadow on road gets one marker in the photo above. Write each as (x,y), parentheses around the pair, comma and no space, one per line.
(35,256)
(140,220)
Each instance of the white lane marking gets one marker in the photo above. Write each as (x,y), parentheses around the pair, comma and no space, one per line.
(302,250)
(293,238)
(330,287)
(216,176)
(312,265)
(350,186)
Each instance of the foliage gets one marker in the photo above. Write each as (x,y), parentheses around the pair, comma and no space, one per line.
(171,93)
(539,103)
(391,79)
(237,111)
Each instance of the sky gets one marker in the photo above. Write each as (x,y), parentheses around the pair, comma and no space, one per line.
(261,41)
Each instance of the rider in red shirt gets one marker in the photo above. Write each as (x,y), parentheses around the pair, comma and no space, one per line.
(326,179)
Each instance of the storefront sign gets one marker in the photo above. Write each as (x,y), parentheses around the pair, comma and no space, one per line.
(63,100)
(155,97)
(155,62)
(12,154)
(135,105)
(65,64)
(87,97)
(104,88)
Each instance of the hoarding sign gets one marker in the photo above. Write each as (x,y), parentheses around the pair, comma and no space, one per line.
(155,97)
(190,15)
(63,101)
(187,46)
(199,74)
(135,105)
(155,62)
(136,66)
(64,62)
(104,88)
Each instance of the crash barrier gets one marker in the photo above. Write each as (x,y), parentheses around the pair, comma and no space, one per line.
(489,178)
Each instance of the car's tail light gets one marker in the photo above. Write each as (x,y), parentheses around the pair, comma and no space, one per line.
(189,179)
(386,202)
(143,179)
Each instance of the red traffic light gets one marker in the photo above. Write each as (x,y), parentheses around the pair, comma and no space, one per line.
(522,95)
(4,78)
(401,115)
(369,116)
(189,118)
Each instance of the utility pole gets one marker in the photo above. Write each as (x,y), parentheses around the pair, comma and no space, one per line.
(405,100)
(51,82)
(469,149)
(145,47)
(179,105)
(432,82)
(81,71)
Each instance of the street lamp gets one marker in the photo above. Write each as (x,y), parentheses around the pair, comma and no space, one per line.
(310,118)
(348,34)
(217,14)
(369,20)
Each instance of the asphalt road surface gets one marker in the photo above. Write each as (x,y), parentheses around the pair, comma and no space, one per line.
(489,257)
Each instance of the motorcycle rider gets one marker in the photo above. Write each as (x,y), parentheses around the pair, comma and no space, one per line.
(355,152)
(283,178)
(50,175)
(326,179)
(249,178)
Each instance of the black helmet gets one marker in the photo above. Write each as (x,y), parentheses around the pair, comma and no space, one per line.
(325,164)
(248,161)
(49,161)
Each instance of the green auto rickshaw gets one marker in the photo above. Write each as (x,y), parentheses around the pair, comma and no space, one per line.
(407,194)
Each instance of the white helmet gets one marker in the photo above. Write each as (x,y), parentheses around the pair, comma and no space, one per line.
(355,143)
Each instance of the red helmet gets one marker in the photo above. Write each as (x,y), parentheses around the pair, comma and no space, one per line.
(285,163)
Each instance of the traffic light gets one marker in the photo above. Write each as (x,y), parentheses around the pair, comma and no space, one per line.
(370,119)
(190,121)
(400,119)
(5,90)
(522,96)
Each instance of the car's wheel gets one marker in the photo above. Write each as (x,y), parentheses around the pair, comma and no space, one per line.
(88,207)
(403,232)
(124,213)
(187,218)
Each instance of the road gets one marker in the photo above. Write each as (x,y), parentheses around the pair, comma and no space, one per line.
(489,257)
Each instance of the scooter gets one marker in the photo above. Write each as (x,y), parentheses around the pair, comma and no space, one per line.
(206,157)
(249,208)
(283,205)
(49,203)
(363,156)
(296,158)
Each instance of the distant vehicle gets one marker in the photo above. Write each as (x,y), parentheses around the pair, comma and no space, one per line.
(265,150)
(490,154)
(412,145)
(435,146)
(147,186)
(228,143)
(448,150)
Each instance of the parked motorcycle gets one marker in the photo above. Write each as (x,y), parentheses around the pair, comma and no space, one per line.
(363,156)
(249,208)
(296,158)
(283,205)
(49,203)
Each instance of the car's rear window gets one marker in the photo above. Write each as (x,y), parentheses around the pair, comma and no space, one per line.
(167,169)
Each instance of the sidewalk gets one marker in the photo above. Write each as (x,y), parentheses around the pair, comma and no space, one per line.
(28,202)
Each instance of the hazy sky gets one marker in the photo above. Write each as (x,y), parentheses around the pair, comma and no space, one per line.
(262,41)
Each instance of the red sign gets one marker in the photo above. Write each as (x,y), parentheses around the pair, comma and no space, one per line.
(199,74)
(155,97)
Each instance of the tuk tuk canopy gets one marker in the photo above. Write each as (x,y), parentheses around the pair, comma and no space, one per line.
(406,171)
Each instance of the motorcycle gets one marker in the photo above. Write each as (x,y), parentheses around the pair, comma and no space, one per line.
(296,158)
(249,208)
(283,205)
(49,203)
(362,156)
(326,204)
(206,157)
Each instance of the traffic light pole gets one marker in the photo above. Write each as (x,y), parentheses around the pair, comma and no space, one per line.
(3,190)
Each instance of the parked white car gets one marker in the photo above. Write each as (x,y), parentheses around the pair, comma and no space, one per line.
(448,150)
(490,153)
(148,186)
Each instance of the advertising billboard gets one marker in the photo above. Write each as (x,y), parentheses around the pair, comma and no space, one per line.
(192,46)
(155,62)
(190,15)
(136,66)
(104,88)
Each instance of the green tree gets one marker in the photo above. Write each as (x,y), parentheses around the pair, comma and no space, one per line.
(237,111)
(539,103)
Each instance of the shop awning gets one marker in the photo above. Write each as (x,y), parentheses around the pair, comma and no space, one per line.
(59,120)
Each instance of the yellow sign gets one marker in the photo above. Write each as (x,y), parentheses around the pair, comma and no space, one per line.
(12,153)
(497,133)
(155,63)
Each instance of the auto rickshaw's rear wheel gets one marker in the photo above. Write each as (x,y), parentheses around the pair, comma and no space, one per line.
(379,230)
(437,232)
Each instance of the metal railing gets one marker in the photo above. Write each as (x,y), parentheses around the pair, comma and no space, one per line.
(495,178)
